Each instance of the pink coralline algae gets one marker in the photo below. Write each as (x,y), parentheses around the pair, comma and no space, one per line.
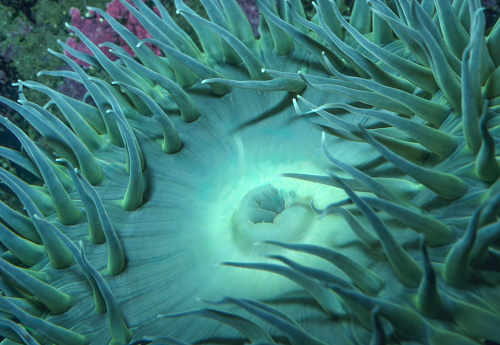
(252,12)
(99,31)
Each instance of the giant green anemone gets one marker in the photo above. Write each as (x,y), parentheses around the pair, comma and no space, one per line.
(331,182)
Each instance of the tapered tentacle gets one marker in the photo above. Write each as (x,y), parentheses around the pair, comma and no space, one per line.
(405,322)
(96,232)
(328,301)
(86,161)
(172,142)
(201,70)
(28,252)
(21,333)
(445,185)
(116,256)
(53,332)
(253,332)
(362,277)
(408,271)
(65,207)
(57,301)
(292,330)
(189,111)
(120,332)
(59,256)
(429,301)
(456,269)
(84,130)
(252,64)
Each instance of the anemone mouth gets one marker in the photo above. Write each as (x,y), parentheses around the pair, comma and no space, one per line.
(261,205)
(267,214)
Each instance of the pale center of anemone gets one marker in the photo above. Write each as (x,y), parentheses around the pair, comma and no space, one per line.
(247,203)
(258,207)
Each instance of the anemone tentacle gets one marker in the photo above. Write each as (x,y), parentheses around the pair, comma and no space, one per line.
(334,181)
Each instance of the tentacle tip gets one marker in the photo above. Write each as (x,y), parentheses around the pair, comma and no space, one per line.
(268,242)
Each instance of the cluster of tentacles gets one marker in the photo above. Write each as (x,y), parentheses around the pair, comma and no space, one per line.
(334,181)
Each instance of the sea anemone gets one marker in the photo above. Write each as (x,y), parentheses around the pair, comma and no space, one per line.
(332,182)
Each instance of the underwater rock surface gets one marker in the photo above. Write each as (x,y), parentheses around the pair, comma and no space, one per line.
(331,182)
